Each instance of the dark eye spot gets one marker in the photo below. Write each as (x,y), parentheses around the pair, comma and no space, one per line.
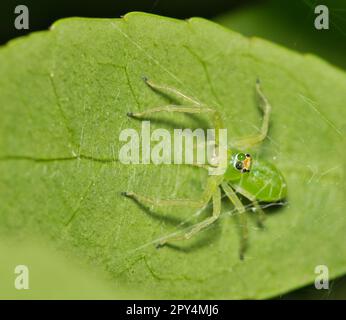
(239,165)
(248,155)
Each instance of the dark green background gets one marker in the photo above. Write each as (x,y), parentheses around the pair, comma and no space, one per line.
(290,23)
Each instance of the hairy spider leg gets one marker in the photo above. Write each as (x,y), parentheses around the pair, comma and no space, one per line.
(201,225)
(255,139)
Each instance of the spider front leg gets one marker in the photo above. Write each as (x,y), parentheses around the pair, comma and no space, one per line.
(196,108)
(243,220)
(216,117)
(255,139)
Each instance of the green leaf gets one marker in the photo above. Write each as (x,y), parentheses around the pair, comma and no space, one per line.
(64,98)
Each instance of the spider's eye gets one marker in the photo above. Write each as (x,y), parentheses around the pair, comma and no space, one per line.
(239,165)
(247,155)
(241,156)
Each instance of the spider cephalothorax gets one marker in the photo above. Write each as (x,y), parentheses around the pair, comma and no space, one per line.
(242,162)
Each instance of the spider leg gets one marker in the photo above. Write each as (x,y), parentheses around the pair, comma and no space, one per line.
(154,202)
(170,90)
(201,225)
(240,208)
(216,116)
(197,108)
(257,138)
(260,213)
(212,184)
